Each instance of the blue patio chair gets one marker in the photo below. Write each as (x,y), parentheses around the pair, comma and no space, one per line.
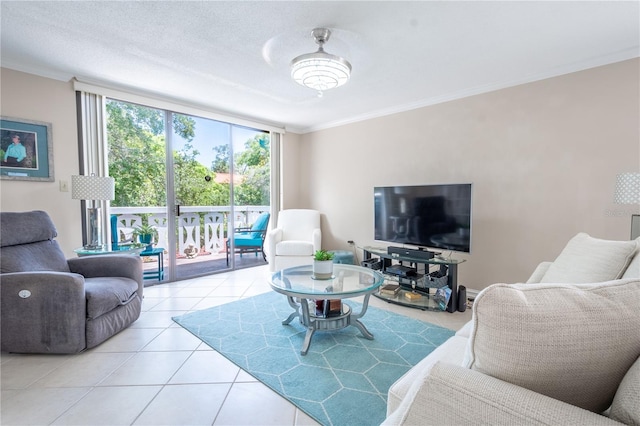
(250,240)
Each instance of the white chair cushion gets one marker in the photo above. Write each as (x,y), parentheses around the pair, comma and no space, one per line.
(626,404)
(294,248)
(572,342)
(298,224)
(588,260)
(539,272)
(633,270)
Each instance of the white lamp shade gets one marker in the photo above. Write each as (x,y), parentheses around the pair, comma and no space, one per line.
(92,188)
(627,188)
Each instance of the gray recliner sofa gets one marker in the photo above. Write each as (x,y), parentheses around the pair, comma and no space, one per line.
(50,304)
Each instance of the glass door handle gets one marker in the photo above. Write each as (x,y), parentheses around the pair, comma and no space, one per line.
(177,209)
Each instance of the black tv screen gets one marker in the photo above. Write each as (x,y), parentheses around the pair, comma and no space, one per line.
(437,216)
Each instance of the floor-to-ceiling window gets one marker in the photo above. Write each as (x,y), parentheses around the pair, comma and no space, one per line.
(193,179)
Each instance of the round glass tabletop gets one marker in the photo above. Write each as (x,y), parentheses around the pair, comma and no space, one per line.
(347,281)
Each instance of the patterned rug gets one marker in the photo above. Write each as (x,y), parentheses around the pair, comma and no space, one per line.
(343,379)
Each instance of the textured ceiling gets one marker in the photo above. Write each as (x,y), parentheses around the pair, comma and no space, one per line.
(233,57)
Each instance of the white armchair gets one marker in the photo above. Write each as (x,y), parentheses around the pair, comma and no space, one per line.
(295,239)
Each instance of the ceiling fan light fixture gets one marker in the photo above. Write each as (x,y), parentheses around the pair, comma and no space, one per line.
(320,70)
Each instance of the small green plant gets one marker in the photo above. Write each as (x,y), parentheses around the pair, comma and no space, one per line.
(323,255)
(145,230)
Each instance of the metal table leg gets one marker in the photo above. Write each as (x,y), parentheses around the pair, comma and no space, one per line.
(313,323)
(356,317)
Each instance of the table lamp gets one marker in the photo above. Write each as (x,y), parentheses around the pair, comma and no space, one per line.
(628,192)
(93,188)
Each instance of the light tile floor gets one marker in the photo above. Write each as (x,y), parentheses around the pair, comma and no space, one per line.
(157,373)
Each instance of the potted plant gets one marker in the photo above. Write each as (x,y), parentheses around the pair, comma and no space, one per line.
(322,265)
(145,234)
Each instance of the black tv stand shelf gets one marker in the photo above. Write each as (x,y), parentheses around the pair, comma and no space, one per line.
(421,285)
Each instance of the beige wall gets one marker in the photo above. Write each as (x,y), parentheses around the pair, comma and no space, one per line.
(542,158)
(42,99)
(291,166)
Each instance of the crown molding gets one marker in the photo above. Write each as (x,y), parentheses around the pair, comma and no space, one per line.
(624,55)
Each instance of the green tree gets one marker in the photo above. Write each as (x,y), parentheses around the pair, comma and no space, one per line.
(136,152)
(192,187)
(133,134)
(221,162)
(136,144)
(253,164)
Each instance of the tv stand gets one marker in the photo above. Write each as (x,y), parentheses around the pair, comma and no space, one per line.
(419,253)
(422,283)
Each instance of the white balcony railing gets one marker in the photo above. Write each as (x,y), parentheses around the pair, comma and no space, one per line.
(199,227)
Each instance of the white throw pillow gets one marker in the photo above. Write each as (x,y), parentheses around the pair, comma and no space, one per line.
(633,270)
(589,260)
(626,404)
(572,342)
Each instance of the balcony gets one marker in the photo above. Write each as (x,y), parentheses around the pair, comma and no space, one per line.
(200,235)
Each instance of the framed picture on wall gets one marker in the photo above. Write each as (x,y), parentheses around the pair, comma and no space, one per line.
(26,151)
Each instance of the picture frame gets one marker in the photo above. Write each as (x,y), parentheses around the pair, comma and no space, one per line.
(26,150)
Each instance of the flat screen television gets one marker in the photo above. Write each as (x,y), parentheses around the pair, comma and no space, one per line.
(432,216)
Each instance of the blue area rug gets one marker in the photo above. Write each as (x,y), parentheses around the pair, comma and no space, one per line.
(343,379)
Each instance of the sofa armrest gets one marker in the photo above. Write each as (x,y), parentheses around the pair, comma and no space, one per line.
(47,317)
(113,265)
(454,395)
(539,272)
(317,239)
(273,237)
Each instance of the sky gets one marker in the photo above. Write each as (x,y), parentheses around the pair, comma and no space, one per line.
(211,133)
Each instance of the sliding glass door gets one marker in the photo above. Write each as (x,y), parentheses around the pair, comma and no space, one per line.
(216,164)
(195,180)
(137,161)
(250,151)
(201,198)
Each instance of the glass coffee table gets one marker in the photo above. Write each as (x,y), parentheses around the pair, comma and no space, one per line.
(318,303)
(107,249)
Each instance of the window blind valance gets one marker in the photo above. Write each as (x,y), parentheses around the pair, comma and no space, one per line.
(173,105)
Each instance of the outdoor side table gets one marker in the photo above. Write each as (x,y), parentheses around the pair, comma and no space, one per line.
(158,273)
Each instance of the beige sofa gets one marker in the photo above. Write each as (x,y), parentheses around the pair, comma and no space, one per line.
(561,349)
